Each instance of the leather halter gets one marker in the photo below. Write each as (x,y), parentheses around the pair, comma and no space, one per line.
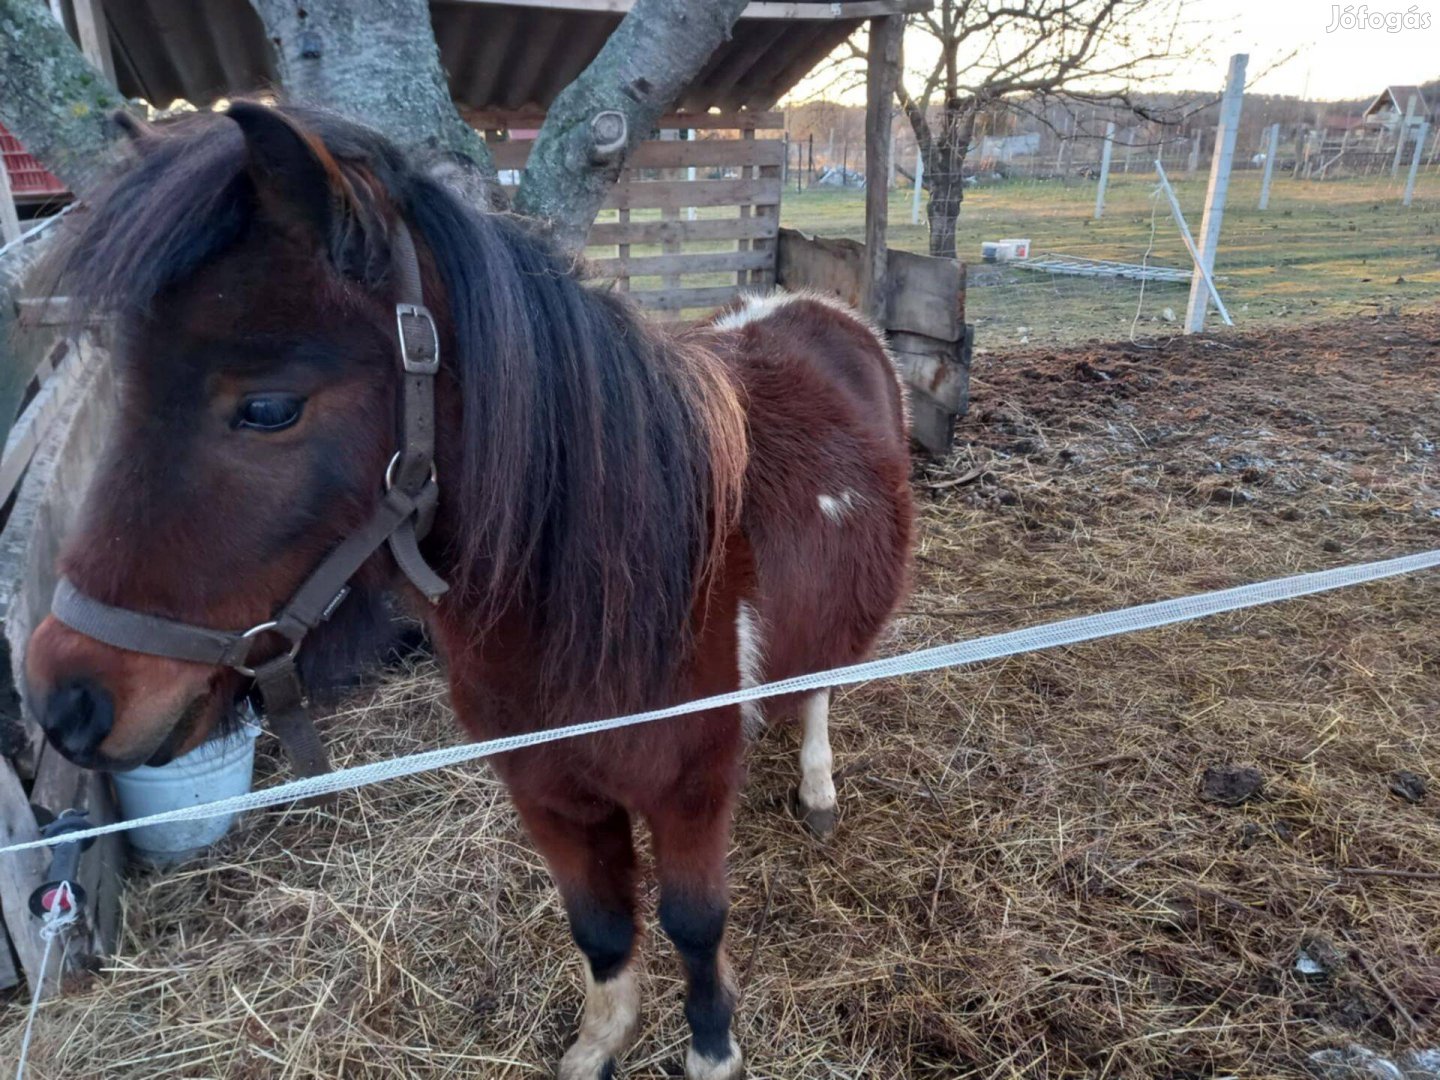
(401,519)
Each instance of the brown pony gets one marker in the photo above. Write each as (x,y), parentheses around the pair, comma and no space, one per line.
(628,517)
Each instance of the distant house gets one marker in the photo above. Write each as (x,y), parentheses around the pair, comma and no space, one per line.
(1388,111)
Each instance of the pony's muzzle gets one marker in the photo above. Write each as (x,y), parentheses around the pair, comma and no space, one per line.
(108,708)
(76,718)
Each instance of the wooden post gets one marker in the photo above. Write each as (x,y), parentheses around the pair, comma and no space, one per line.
(95,36)
(1271,149)
(1403,134)
(810,152)
(1420,137)
(9,218)
(919,186)
(882,77)
(1219,187)
(1104,169)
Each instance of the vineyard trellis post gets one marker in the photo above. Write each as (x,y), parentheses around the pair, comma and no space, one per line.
(1401,134)
(1420,137)
(1219,186)
(1104,169)
(1272,147)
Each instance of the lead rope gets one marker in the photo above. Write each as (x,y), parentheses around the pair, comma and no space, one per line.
(63,911)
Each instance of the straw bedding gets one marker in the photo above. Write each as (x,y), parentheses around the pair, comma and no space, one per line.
(1103,861)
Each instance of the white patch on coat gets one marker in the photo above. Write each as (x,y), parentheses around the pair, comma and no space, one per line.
(751,650)
(612,1012)
(817,763)
(835,507)
(754,307)
(700,1067)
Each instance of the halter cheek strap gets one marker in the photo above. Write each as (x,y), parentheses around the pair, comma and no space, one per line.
(401,519)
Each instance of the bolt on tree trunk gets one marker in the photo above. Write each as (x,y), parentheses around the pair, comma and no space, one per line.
(654,52)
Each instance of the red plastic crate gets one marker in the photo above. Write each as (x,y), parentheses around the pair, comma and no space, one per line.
(28,177)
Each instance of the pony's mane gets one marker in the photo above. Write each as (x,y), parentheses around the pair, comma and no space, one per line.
(602,460)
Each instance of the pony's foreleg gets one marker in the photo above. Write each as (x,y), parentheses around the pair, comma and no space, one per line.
(691,833)
(593,863)
(817,786)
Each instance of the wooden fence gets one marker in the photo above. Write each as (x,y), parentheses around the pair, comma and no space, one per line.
(678,244)
(924,320)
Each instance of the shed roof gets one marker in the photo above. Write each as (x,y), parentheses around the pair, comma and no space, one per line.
(1397,99)
(499,55)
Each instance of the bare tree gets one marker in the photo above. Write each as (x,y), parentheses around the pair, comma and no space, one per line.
(1000,53)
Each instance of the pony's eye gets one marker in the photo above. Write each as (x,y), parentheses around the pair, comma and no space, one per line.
(269,412)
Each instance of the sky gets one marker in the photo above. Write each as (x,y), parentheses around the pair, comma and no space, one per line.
(1296,48)
(1329,64)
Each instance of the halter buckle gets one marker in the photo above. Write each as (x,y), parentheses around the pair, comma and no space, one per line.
(419,340)
(252,634)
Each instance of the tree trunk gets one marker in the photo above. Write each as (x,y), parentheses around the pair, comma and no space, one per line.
(614,104)
(375,61)
(947,180)
(51,99)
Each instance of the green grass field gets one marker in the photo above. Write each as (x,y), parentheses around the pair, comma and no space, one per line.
(1322,250)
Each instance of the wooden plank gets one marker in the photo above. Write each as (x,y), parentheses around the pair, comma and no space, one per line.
(9,217)
(926,295)
(665,154)
(657,232)
(939,368)
(765,275)
(828,266)
(20,873)
(675,194)
(760,9)
(932,425)
(623,250)
(32,426)
(680,299)
(883,75)
(743,120)
(690,262)
(94,36)
(743,277)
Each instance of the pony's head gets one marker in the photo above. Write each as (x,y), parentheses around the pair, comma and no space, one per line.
(246,263)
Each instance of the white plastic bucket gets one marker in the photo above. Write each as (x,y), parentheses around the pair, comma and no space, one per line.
(214,770)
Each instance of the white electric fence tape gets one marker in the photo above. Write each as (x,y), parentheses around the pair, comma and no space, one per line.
(1045,636)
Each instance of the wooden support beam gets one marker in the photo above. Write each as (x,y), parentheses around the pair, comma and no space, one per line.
(95,36)
(883,75)
(9,218)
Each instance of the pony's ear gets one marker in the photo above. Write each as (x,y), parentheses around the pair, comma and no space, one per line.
(137,131)
(302,189)
(297,182)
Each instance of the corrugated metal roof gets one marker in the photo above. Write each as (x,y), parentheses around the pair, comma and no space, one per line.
(498,56)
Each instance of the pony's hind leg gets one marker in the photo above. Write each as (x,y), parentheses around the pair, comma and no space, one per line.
(816,795)
(593,863)
(691,834)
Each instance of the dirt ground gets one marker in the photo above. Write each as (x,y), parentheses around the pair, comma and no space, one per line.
(1130,858)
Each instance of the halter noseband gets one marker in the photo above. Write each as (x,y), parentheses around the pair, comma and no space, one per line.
(402,518)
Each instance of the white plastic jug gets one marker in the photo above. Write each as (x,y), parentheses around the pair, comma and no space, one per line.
(217,769)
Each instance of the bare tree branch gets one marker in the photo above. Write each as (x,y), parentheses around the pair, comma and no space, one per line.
(614,104)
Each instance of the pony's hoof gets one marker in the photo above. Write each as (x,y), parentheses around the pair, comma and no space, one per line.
(819,822)
(700,1067)
(586,1069)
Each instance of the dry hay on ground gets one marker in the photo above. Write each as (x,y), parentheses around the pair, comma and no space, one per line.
(1028,878)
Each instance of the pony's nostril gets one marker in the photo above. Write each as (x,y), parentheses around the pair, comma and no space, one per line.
(77,718)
